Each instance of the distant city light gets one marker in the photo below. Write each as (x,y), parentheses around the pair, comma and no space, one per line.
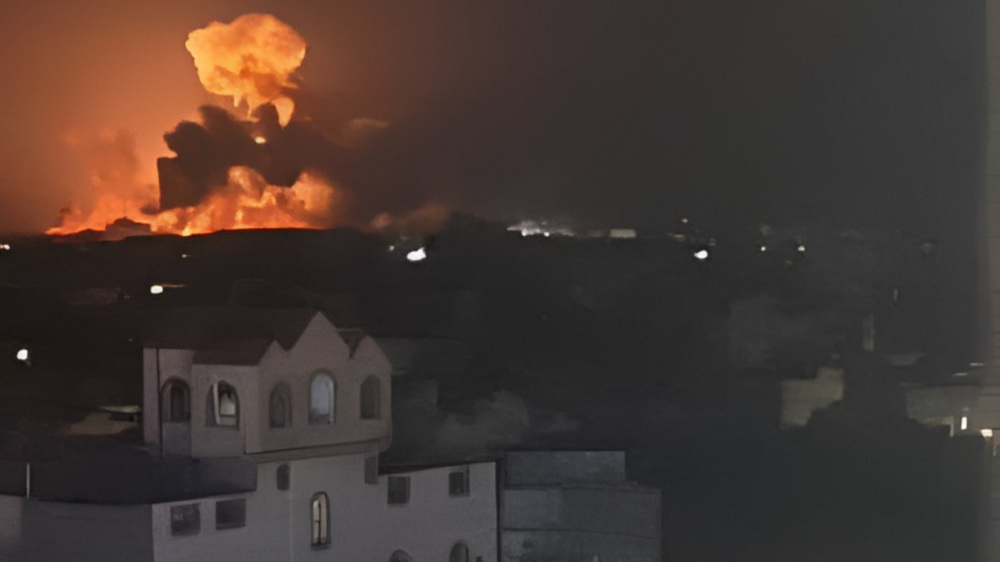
(4,247)
(622,233)
(763,248)
(965,423)
(156,290)
(22,355)
(701,255)
(260,139)
(416,255)
(185,256)
(684,220)
(801,249)
(987,433)
(392,247)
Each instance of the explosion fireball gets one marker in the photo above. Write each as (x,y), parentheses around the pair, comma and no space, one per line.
(251,60)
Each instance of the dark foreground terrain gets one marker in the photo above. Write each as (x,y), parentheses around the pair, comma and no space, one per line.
(568,342)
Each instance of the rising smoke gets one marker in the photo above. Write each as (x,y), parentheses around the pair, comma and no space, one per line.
(274,167)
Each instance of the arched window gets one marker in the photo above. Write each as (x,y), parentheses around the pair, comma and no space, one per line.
(320,508)
(175,402)
(223,406)
(371,398)
(280,406)
(400,556)
(322,394)
(459,553)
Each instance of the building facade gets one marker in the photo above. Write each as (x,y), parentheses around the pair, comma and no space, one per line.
(262,432)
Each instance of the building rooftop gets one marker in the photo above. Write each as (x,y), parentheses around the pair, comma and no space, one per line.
(233,335)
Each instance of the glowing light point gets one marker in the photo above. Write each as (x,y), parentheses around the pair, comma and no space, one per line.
(416,255)
(22,355)
(965,423)
(156,289)
(987,433)
(763,248)
(701,255)
(801,249)
(547,234)
(4,247)
(260,139)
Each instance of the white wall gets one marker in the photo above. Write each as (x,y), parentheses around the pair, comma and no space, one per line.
(433,522)
(362,525)
(321,348)
(265,536)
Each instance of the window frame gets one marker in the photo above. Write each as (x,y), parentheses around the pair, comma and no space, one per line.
(463,473)
(370,401)
(461,549)
(242,522)
(284,393)
(215,417)
(283,477)
(405,491)
(167,401)
(182,513)
(400,556)
(330,417)
(320,518)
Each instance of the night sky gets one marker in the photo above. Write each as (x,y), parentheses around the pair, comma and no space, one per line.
(854,113)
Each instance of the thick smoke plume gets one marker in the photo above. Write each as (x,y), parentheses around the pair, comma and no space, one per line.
(271,169)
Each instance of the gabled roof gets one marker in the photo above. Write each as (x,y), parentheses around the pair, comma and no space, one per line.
(232,335)
(353,338)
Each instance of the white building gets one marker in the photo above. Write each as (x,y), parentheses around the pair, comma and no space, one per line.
(263,431)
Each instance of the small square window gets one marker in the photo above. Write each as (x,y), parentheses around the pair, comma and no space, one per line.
(284,477)
(230,514)
(458,482)
(185,519)
(371,469)
(399,490)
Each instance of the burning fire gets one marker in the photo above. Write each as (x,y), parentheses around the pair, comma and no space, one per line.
(251,60)
(250,202)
